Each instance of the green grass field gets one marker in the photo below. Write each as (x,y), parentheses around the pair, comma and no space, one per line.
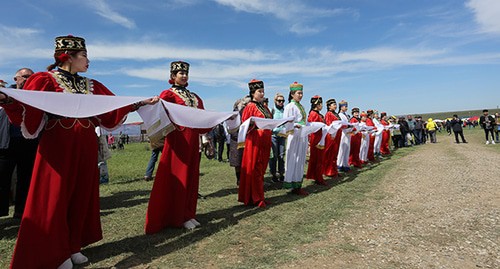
(232,235)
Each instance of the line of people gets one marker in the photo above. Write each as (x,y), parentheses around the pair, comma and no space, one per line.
(362,138)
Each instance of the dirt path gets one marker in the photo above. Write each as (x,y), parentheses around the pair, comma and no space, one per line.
(441,209)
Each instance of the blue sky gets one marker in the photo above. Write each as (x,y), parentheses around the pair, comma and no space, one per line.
(398,56)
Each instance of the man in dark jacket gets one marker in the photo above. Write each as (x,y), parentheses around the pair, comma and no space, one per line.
(487,122)
(419,130)
(405,129)
(456,126)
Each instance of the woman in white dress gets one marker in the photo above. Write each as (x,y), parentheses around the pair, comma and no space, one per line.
(296,145)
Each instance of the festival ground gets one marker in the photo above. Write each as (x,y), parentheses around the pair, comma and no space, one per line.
(432,206)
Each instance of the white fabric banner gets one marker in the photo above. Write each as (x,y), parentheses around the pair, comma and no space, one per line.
(71,105)
(195,118)
(261,123)
(158,118)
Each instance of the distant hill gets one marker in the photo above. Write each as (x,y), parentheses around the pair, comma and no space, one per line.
(461,114)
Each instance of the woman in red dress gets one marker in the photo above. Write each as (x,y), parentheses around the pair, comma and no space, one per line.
(174,195)
(331,143)
(371,146)
(62,208)
(355,141)
(257,150)
(316,154)
(386,135)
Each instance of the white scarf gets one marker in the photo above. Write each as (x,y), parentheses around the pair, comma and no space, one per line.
(71,105)
(156,117)
(261,123)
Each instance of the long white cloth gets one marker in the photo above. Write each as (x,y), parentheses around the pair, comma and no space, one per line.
(157,118)
(261,123)
(312,127)
(71,105)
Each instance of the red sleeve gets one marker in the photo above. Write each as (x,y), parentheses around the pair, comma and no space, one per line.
(32,117)
(312,116)
(369,122)
(14,111)
(314,138)
(170,96)
(328,118)
(249,111)
(353,120)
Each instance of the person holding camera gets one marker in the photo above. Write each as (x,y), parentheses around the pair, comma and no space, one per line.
(456,125)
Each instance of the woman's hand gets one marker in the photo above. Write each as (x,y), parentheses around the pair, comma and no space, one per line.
(151,101)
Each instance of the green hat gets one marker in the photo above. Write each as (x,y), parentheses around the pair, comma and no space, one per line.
(296,86)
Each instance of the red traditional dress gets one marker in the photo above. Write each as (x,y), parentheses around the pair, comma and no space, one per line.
(174,196)
(331,147)
(355,146)
(386,136)
(62,208)
(371,156)
(255,157)
(316,154)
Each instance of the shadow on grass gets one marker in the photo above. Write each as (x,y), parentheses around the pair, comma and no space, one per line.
(128,181)
(124,199)
(9,228)
(222,193)
(145,248)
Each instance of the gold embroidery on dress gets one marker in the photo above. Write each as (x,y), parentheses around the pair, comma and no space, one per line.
(52,123)
(263,110)
(188,97)
(75,84)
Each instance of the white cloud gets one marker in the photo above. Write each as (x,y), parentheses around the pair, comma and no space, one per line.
(295,13)
(391,56)
(149,51)
(20,43)
(486,14)
(104,10)
(314,63)
(7,32)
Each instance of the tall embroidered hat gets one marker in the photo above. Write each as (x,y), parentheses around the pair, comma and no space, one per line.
(316,100)
(342,103)
(355,109)
(255,84)
(363,114)
(296,86)
(383,114)
(179,66)
(330,101)
(69,43)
